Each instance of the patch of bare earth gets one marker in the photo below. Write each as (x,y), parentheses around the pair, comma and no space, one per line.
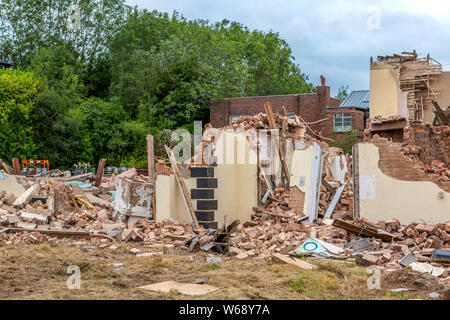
(40,272)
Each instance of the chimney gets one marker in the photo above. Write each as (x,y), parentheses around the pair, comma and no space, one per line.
(323,93)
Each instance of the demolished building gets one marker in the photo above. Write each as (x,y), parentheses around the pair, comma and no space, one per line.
(402,169)
(266,186)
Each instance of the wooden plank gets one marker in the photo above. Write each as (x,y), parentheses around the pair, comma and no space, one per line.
(270,116)
(272,124)
(183,189)
(365,230)
(75,203)
(151,159)
(151,170)
(100,170)
(440,113)
(296,262)
(16,166)
(5,166)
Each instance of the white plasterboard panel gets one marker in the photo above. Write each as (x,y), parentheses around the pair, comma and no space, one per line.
(367,186)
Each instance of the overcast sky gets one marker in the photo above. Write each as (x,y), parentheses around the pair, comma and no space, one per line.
(333,37)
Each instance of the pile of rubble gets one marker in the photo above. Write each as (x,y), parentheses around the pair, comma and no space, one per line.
(73,207)
(386,243)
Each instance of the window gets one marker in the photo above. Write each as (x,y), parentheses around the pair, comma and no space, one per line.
(238,116)
(342,122)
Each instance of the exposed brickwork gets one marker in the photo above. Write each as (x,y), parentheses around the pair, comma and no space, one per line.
(357,121)
(396,165)
(434,142)
(311,107)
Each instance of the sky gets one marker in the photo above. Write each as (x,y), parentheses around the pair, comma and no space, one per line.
(333,38)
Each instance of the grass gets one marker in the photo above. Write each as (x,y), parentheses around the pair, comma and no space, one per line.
(40,272)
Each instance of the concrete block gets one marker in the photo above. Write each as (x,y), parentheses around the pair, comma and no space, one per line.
(207,205)
(204,215)
(202,172)
(202,193)
(207,183)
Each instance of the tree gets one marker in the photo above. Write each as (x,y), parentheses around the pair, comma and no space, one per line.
(342,92)
(166,71)
(18,109)
(28,26)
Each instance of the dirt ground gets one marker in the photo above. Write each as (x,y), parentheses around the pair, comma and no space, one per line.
(40,272)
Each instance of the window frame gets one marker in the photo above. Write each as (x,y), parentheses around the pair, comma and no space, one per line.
(342,126)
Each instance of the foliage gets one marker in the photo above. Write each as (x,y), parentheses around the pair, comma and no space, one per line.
(28,26)
(167,70)
(345,140)
(96,91)
(18,108)
(342,92)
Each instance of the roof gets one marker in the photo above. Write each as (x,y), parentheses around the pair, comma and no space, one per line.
(357,99)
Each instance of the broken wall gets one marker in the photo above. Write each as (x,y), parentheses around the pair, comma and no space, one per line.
(169,200)
(381,196)
(236,192)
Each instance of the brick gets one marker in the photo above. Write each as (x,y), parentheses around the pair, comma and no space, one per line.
(205,215)
(207,183)
(386,257)
(202,193)
(202,172)
(425,228)
(207,205)
(368,260)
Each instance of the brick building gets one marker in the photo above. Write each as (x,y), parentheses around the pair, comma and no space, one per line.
(312,107)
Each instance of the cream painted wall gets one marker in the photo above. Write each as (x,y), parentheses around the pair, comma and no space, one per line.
(237,182)
(384,93)
(407,201)
(236,190)
(443,83)
(169,201)
(301,166)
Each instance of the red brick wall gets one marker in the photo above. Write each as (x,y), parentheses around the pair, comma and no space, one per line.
(357,121)
(433,141)
(311,107)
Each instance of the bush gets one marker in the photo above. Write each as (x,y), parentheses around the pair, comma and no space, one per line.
(345,140)
(18,114)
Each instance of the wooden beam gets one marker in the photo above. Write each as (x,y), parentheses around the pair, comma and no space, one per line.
(5,166)
(270,117)
(183,189)
(440,113)
(16,166)
(272,124)
(151,159)
(296,262)
(100,170)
